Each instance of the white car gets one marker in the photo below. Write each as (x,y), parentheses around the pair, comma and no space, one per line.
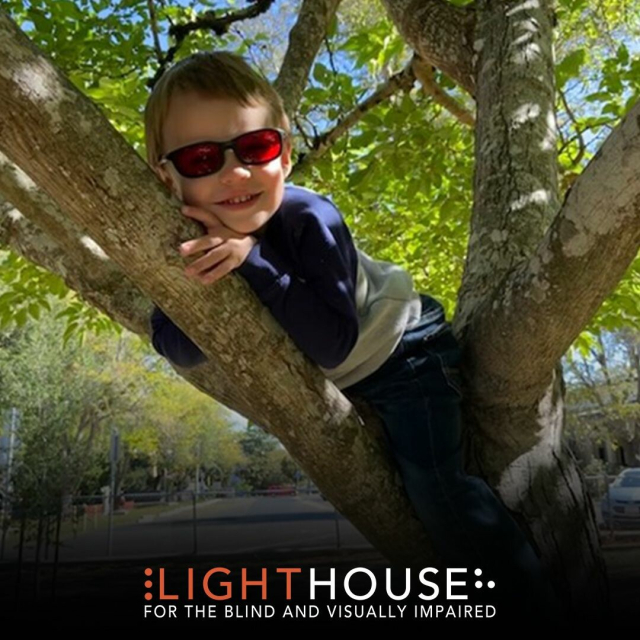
(621,504)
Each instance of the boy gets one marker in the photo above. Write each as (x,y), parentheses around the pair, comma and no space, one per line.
(218,137)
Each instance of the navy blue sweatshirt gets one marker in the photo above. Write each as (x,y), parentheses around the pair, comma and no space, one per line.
(304,270)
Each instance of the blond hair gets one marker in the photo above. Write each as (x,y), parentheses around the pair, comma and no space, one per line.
(214,74)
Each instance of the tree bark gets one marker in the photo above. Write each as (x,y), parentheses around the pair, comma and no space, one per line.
(512,301)
(440,33)
(305,39)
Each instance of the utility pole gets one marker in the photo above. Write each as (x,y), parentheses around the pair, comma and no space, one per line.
(113,462)
(6,491)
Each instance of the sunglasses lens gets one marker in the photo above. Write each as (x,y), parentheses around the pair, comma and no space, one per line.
(205,158)
(198,160)
(259,147)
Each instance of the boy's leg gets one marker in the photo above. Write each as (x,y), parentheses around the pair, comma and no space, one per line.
(418,398)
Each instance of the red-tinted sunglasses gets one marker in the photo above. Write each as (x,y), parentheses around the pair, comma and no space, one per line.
(204,158)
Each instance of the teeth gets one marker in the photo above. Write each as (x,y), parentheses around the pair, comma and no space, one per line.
(236,200)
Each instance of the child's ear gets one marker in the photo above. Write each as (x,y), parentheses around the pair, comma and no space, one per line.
(166,178)
(287,164)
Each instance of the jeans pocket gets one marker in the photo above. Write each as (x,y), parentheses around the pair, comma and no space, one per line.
(446,349)
(452,376)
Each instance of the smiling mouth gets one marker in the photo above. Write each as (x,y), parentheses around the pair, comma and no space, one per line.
(244,200)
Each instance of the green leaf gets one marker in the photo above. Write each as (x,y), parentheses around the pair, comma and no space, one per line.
(321,73)
(622,54)
(34,311)
(612,107)
(7,298)
(69,332)
(21,317)
(358,177)
(598,96)
(569,67)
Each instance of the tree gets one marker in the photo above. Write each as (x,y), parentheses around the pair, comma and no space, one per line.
(604,400)
(538,264)
(158,416)
(264,458)
(63,429)
(177,427)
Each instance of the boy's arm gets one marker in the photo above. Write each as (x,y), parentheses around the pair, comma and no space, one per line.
(172,343)
(314,302)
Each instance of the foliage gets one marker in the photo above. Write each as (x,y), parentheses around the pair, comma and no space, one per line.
(25,291)
(61,426)
(267,462)
(403,175)
(603,392)
(181,429)
(69,398)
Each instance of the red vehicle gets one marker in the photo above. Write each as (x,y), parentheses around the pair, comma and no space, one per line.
(281,490)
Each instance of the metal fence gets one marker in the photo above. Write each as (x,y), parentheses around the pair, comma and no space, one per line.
(169,523)
(188,522)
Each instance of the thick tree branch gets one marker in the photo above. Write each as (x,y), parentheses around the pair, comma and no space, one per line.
(105,187)
(547,301)
(305,39)
(440,33)
(514,418)
(516,165)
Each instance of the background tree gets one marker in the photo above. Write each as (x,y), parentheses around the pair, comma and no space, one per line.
(70,395)
(180,429)
(603,398)
(63,427)
(540,259)
(266,462)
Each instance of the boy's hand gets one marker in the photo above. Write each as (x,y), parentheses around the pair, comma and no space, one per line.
(224,248)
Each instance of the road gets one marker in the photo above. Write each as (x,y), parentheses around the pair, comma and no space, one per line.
(223,526)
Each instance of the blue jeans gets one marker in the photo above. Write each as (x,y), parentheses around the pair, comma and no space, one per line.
(417,394)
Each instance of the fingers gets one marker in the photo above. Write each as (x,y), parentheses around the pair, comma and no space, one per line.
(200,244)
(217,272)
(199,267)
(220,245)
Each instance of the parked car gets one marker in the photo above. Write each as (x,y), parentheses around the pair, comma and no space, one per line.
(281,490)
(621,505)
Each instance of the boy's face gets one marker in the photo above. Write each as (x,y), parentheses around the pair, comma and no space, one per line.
(194,118)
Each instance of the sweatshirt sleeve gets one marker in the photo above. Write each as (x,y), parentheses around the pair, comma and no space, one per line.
(314,301)
(172,343)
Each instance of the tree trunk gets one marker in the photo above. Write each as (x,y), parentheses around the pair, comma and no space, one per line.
(518,444)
